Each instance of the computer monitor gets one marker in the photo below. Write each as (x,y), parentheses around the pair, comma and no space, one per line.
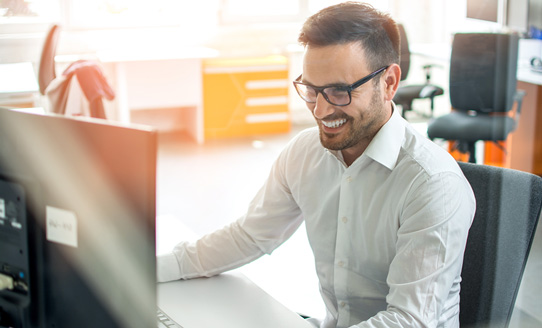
(485,15)
(487,10)
(77,222)
(535,14)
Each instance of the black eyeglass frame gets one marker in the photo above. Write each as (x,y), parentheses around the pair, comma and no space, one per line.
(348,88)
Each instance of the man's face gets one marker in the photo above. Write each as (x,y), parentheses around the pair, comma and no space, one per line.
(349,127)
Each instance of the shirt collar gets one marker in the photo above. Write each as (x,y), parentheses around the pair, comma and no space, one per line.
(386,144)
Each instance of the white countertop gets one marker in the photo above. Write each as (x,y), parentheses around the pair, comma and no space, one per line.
(529,76)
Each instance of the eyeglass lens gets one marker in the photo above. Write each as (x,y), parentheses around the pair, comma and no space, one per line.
(339,96)
(334,95)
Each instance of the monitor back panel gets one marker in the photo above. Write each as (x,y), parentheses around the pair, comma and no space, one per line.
(95,213)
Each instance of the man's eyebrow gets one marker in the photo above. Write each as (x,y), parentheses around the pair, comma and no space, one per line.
(331,85)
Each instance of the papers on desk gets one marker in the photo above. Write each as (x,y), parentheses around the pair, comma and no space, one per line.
(228,301)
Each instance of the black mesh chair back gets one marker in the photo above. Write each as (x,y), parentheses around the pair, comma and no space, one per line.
(483,72)
(405,52)
(508,204)
(482,90)
(406,94)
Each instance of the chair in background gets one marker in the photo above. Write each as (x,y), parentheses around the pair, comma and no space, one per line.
(46,72)
(482,91)
(406,94)
(508,204)
(89,82)
(80,90)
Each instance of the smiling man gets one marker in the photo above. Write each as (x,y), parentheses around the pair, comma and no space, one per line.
(387,212)
(348,115)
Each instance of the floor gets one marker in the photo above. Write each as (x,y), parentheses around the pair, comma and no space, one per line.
(207,186)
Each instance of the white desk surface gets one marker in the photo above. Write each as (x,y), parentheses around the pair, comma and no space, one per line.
(124,55)
(228,300)
(20,78)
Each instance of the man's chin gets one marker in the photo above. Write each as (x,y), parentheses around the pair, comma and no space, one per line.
(331,141)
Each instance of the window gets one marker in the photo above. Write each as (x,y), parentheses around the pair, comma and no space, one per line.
(100,14)
(27,16)
(246,11)
(140,13)
(21,10)
(250,11)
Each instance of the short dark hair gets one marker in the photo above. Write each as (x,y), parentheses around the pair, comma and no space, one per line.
(355,21)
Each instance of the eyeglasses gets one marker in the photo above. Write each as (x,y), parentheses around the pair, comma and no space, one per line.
(337,95)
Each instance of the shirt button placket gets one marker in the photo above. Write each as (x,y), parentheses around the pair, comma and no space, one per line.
(344,315)
(342,250)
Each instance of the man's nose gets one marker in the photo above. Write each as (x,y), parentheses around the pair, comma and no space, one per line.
(322,108)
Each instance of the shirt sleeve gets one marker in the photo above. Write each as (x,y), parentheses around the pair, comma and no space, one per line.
(272,217)
(430,244)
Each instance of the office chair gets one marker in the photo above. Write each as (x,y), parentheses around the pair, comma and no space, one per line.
(46,71)
(90,80)
(406,94)
(482,91)
(508,204)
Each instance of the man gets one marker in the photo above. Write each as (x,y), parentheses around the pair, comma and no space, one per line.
(387,212)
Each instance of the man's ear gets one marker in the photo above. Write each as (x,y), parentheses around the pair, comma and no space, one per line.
(391,81)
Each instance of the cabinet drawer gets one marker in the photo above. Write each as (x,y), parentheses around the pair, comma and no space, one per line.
(245,96)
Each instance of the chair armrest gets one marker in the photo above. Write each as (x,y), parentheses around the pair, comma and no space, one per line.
(427,68)
(518,97)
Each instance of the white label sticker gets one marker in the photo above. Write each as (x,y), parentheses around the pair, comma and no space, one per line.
(2,209)
(61,226)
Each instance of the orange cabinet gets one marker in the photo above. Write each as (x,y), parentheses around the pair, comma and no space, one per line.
(245,96)
(523,147)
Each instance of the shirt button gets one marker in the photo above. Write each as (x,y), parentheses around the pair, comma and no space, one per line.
(344,219)
(349,179)
(340,263)
(342,305)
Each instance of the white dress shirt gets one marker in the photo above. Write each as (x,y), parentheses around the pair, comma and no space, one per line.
(388,232)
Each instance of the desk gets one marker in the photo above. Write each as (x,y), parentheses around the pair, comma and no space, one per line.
(524,145)
(18,85)
(155,78)
(228,300)
(176,82)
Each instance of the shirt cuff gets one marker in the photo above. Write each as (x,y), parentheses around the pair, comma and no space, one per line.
(167,268)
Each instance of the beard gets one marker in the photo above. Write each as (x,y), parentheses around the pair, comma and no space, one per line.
(357,129)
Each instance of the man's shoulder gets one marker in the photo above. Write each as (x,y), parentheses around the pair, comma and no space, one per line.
(427,155)
(305,146)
